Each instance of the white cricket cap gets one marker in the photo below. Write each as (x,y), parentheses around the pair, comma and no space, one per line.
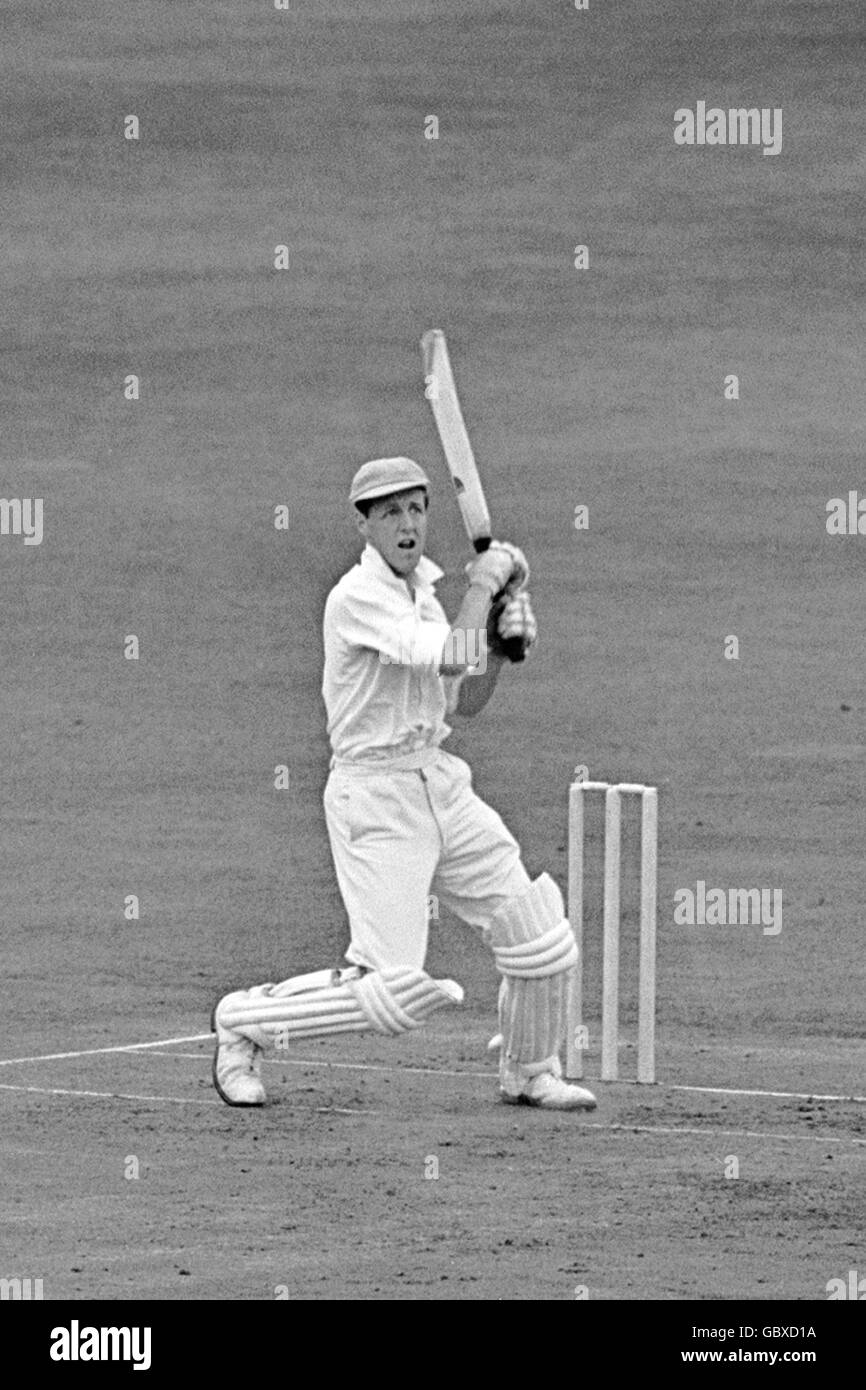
(380,477)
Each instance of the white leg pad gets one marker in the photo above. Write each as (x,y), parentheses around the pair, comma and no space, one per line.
(389,1001)
(535,949)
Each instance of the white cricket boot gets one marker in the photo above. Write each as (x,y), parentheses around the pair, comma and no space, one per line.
(237,1063)
(545,1088)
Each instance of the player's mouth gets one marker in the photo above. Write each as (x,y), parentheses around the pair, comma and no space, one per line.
(406,545)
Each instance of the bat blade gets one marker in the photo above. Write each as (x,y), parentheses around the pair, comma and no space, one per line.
(441,392)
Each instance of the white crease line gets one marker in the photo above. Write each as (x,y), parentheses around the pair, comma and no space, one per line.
(779,1095)
(342,1066)
(714,1134)
(105,1095)
(343,1110)
(94,1051)
(413,1071)
(491,1075)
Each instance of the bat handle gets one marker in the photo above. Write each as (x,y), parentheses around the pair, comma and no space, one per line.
(515,649)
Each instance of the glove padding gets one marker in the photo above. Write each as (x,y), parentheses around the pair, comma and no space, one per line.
(502,567)
(511,627)
(520,571)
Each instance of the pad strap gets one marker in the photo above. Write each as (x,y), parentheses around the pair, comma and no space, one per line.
(530,936)
(556,950)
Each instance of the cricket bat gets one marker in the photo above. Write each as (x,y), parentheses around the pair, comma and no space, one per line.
(441,392)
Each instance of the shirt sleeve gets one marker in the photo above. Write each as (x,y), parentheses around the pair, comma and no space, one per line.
(401,639)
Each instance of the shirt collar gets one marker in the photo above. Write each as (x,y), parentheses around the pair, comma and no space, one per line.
(425,575)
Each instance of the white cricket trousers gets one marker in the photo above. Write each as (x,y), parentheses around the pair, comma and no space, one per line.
(399,835)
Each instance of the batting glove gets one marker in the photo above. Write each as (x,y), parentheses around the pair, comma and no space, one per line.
(520,568)
(514,626)
(502,566)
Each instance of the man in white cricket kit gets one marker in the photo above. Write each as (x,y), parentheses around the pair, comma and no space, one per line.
(403,819)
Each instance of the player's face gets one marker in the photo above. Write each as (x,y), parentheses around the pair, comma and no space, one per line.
(397,527)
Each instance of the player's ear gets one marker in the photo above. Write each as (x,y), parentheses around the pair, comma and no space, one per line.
(361,521)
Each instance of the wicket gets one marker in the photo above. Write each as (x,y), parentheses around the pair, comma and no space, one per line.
(611,929)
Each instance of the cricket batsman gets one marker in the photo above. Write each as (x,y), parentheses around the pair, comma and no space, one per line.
(403,820)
